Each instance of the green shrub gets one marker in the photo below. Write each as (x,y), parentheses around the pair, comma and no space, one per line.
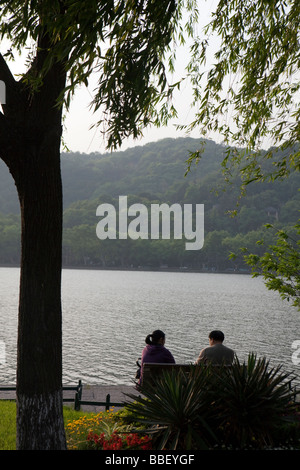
(244,406)
(252,402)
(176,410)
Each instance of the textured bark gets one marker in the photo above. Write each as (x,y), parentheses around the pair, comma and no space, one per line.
(30,136)
(39,412)
(39,367)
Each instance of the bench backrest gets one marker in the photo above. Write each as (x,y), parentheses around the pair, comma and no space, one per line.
(152,370)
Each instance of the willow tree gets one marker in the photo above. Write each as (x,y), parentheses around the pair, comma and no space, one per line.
(249,91)
(124,42)
(249,94)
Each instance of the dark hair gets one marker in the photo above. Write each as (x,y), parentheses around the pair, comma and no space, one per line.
(155,337)
(217,335)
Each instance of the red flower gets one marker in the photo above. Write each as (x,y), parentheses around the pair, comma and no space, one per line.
(116,441)
(134,440)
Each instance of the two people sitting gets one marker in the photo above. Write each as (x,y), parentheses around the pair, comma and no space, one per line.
(216,353)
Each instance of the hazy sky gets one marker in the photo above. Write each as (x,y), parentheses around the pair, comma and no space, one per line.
(78,134)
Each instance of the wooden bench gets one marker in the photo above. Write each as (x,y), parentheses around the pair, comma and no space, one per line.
(152,370)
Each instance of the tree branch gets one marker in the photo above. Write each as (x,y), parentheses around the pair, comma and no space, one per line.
(13,98)
(6,141)
(6,75)
(8,134)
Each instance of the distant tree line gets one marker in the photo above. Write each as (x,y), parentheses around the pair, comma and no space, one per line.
(150,174)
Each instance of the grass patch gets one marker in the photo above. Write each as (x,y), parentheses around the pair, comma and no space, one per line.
(7,425)
(8,422)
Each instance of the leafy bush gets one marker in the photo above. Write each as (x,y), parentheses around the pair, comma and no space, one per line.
(176,409)
(243,406)
(252,402)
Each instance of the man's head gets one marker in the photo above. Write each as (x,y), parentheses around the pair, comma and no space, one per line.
(216,336)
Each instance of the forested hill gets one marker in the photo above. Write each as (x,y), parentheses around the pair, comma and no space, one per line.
(148,174)
(155,171)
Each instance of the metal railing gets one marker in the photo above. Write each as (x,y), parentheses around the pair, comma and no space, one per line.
(77,399)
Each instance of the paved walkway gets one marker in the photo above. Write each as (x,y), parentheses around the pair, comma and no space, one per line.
(98,393)
(95,393)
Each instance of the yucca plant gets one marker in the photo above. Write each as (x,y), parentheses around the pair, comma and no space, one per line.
(176,410)
(242,406)
(251,402)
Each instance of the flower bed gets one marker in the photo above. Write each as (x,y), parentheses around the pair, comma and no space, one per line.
(118,441)
(104,431)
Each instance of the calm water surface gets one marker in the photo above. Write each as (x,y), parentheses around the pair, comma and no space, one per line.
(107,315)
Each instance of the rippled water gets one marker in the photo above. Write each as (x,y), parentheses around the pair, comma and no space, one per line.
(107,315)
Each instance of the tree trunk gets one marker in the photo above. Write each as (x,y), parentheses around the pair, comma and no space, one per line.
(30,136)
(39,367)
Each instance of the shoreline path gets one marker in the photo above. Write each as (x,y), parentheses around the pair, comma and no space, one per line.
(91,393)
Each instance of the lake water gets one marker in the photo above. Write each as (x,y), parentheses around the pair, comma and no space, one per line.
(107,315)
